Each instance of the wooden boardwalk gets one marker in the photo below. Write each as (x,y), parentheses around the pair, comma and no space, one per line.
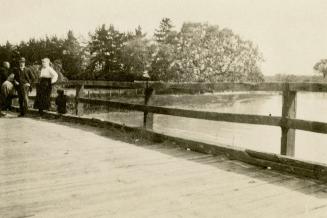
(50,169)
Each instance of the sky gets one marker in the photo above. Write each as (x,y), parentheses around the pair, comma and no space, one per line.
(291,34)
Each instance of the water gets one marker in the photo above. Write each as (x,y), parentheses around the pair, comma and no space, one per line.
(310,106)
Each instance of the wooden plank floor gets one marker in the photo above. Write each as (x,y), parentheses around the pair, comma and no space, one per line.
(50,169)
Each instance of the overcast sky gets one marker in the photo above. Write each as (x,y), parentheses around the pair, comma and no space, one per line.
(291,34)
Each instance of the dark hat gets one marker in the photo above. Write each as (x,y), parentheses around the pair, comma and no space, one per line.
(60,91)
(22,60)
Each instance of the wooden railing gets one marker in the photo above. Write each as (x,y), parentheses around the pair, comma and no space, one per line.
(311,87)
(287,121)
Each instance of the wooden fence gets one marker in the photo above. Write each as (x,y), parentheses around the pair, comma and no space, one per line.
(287,121)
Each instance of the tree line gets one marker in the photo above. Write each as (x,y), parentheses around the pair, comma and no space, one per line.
(198,52)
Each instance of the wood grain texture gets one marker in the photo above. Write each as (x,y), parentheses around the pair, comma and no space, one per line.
(227,117)
(55,169)
(288,112)
(207,87)
(306,125)
(279,162)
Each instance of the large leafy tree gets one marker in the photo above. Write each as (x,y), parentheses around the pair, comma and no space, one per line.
(72,57)
(206,53)
(6,52)
(165,33)
(321,67)
(34,50)
(106,49)
(137,54)
(162,67)
(198,52)
(166,41)
(67,52)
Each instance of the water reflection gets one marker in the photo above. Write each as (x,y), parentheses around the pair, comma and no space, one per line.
(310,106)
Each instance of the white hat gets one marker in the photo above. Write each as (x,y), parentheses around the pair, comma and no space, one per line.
(46,60)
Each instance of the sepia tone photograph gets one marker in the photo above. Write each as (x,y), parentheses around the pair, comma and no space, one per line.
(163,109)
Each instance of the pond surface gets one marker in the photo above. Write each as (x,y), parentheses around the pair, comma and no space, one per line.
(310,106)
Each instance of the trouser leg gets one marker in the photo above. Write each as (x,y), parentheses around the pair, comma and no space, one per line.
(2,99)
(23,99)
(44,94)
(7,91)
(48,97)
(36,104)
(8,103)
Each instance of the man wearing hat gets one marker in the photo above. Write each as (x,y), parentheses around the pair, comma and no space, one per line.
(22,81)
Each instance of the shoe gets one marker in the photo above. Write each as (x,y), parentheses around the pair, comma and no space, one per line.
(2,114)
(21,115)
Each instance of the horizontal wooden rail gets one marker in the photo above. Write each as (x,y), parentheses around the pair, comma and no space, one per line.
(215,116)
(105,84)
(210,87)
(312,126)
(69,98)
(308,87)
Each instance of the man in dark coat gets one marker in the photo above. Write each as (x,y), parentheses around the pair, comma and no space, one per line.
(22,81)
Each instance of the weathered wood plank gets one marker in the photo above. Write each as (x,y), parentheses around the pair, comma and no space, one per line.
(69,98)
(318,171)
(148,117)
(225,117)
(305,125)
(278,162)
(312,126)
(288,111)
(308,87)
(224,86)
(79,107)
(83,177)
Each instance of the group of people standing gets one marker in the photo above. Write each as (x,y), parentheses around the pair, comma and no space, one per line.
(20,79)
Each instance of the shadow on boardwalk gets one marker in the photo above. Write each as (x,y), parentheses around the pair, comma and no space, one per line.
(304,185)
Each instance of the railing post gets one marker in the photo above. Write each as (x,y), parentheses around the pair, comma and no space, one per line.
(288,111)
(148,117)
(78,105)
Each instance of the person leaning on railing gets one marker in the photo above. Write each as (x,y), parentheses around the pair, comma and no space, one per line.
(48,77)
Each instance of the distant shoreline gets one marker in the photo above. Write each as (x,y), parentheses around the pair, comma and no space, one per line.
(295,78)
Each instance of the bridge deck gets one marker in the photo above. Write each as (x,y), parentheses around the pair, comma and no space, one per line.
(50,169)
